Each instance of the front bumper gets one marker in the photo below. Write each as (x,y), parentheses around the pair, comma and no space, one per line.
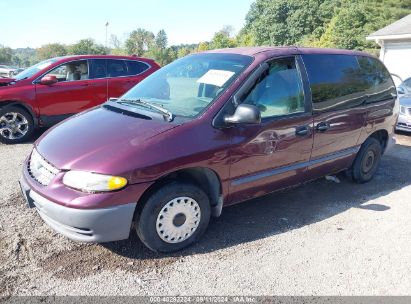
(84,225)
(404,123)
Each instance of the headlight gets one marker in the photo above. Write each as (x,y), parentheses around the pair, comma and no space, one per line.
(93,182)
(402,110)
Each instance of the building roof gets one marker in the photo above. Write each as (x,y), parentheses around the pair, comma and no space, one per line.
(400,29)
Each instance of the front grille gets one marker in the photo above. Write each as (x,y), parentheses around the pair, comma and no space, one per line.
(40,170)
(404,125)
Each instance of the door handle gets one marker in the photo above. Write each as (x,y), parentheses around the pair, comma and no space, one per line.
(302,131)
(84,84)
(323,126)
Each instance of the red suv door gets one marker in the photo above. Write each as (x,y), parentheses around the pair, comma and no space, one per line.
(124,74)
(73,93)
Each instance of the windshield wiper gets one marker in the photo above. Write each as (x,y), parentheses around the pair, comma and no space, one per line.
(170,115)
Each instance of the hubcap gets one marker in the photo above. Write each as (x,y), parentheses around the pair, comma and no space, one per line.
(13,125)
(368,161)
(178,220)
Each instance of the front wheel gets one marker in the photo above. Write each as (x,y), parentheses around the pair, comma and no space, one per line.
(174,217)
(16,125)
(367,161)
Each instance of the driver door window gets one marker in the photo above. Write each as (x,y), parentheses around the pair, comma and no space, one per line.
(71,71)
(279,91)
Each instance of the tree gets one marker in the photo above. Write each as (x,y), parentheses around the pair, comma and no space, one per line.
(87,47)
(172,54)
(244,39)
(5,55)
(24,57)
(117,46)
(324,23)
(203,46)
(51,50)
(139,42)
(228,30)
(161,40)
(160,52)
(223,39)
(284,22)
(115,41)
(184,51)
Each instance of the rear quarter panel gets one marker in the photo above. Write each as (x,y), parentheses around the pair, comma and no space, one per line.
(380,116)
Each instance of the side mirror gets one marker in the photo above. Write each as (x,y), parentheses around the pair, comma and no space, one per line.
(401,90)
(48,80)
(244,114)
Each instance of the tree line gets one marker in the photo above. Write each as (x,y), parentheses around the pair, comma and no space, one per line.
(317,23)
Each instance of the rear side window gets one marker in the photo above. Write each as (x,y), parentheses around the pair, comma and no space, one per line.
(377,80)
(335,81)
(136,67)
(98,68)
(116,68)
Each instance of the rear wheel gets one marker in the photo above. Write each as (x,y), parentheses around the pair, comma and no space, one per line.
(367,161)
(16,125)
(174,217)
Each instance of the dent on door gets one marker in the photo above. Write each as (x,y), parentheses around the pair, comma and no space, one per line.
(270,157)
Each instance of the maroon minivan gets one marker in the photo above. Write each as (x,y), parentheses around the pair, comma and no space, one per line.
(210,130)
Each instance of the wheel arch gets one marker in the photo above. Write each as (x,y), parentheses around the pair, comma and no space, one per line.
(382,136)
(205,178)
(22,105)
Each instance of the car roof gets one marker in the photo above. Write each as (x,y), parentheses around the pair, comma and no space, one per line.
(287,50)
(72,57)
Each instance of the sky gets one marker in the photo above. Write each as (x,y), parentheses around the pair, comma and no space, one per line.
(31,23)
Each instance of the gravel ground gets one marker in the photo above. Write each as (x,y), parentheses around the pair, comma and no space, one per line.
(322,238)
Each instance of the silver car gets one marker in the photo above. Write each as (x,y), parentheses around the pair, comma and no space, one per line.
(404,119)
(6,71)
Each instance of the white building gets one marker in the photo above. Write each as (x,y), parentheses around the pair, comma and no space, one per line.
(395,42)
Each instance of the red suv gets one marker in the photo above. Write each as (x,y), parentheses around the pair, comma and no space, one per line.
(54,89)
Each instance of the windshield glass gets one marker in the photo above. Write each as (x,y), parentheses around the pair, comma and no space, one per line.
(188,85)
(27,73)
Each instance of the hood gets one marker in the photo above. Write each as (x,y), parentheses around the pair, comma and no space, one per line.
(405,100)
(5,81)
(98,140)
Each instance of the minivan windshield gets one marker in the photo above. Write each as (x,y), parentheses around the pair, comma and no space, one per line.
(188,85)
(27,73)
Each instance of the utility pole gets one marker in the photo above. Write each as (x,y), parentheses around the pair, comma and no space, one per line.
(106,37)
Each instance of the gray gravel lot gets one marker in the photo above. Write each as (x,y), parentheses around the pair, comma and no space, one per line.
(322,238)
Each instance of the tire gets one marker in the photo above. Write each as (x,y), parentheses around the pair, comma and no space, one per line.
(367,161)
(16,125)
(188,215)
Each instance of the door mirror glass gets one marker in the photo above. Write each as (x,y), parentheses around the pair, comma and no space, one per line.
(244,114)
(48,80)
